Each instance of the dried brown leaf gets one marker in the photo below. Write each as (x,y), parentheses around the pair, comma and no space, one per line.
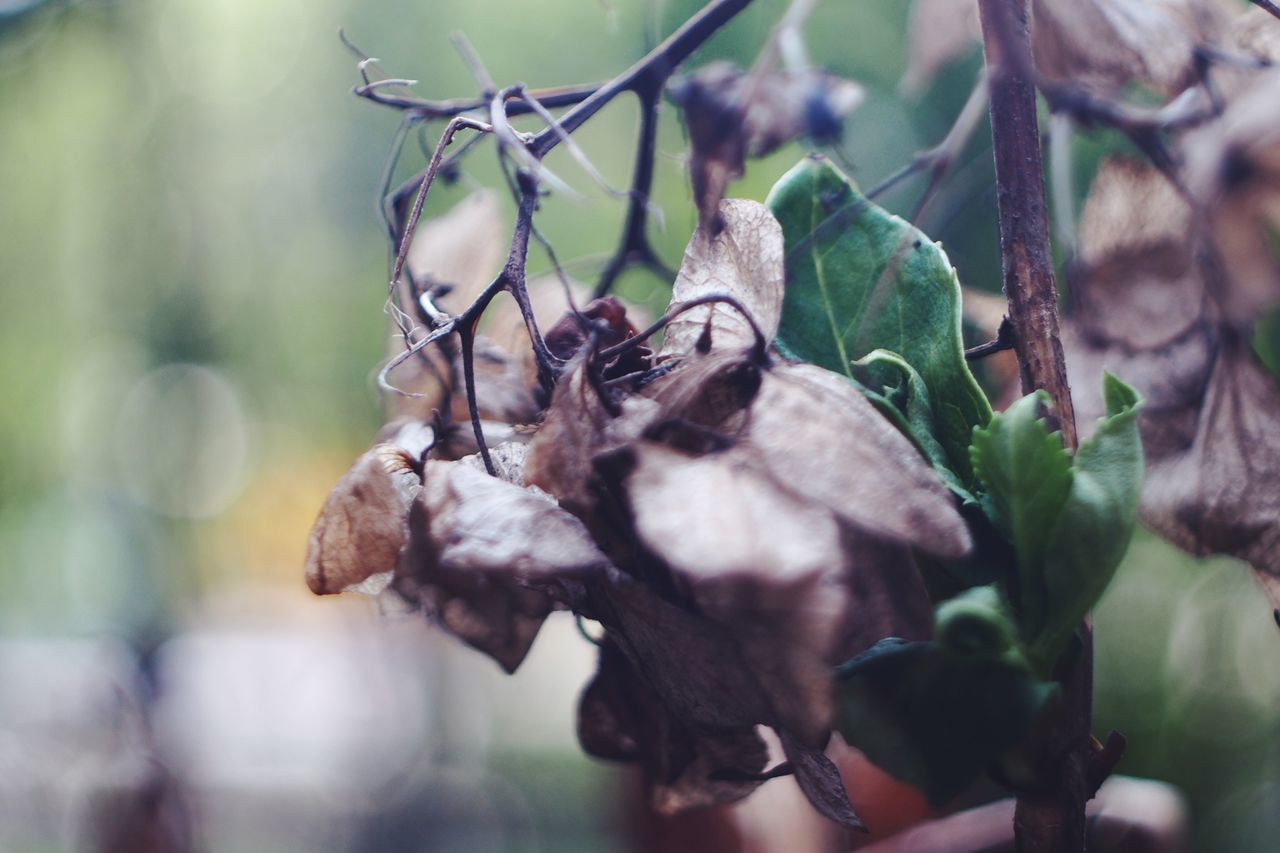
(1233,170)
(712,390)
(482,553)
(1221,493)
(1110,43)
(578,427)
(732,114)
(819,437)
(743,260)
(820,780)
(362,526)
(621,718)
(1147,313)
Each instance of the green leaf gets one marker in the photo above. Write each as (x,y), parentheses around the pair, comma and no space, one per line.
(937,714)
(1096,524)
(861,279)
(1069,520)
(897,390)
(1266,341)
(1026,475)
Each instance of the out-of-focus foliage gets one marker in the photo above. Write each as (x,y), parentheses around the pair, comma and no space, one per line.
(191,282)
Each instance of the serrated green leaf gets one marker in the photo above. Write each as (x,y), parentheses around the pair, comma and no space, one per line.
(860,279)
(1026,476)
(934,715)
(1096,523)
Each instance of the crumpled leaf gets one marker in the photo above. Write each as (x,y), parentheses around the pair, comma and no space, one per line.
(606,320)
(819,779)
(578,427)
(1099,43)
(851,459)
(621,718)
(1069,519)
(1109,43)
(1218,490)
(732,114)
(708,700)
(861,279)
(362,526)
(1233,169)
(755,558)
(937,714)
(1145,313)
(753,533)
(743,260)
(482,553)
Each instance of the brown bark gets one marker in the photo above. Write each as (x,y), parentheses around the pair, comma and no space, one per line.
(1050,816)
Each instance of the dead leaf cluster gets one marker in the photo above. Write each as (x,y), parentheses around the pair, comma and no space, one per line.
(1101,44)
(736,524)
(1165,298)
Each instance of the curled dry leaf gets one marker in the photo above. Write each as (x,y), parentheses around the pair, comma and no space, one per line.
(482,553)
(1100,43)
(1233,170)
(756,559)
(821,437)
(732,114)
(743,260)
(1146,313)
(362,527)
(579,426)
(621,718)
(738,527)
(1109,43)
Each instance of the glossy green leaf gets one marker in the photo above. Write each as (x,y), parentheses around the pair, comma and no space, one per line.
(938,714)
(861,279)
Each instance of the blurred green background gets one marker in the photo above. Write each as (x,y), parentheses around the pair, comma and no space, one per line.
(192,276)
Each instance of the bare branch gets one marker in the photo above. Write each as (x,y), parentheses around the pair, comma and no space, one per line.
(1268,6)
(455,124)
(650,72)
(1051,819)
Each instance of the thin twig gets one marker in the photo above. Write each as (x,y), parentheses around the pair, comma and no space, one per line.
(761,342)
(455,124)
(1003,341)
(634,249)
(654,69)
(1050,818)
(1268,6)
(937,161)
(646,78)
